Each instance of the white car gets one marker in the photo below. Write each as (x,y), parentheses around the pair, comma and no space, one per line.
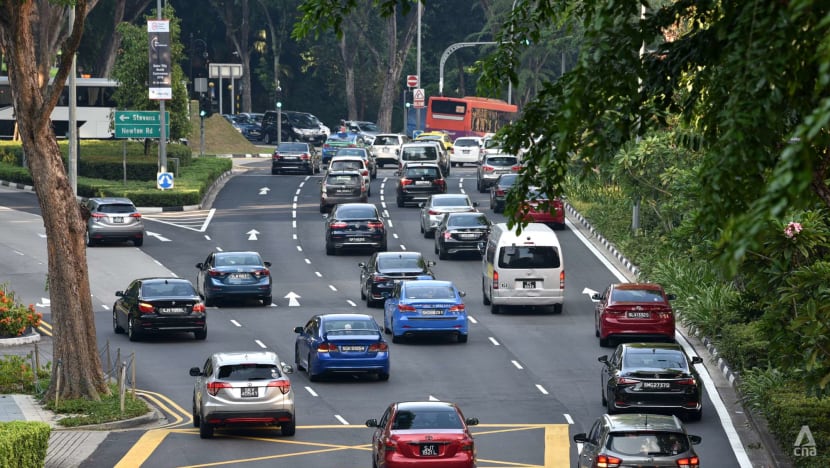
(437,205)
(352,163)
(466,150)
(387,148)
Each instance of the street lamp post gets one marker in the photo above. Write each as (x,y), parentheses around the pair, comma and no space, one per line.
(509,81)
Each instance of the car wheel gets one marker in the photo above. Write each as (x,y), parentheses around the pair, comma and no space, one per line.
(604,342)
(297,363)
(443,254)
(383,247)
(115,327)
(267,300)
(289,428)
(363,296)
(421,226)
(138,242)
(310,169)
(557,309)
(495,309)
(267,138)
(399,202)
(274,171)
(462,338)
(205,429)
(322,208)
(209,302)
(610,408)
(484,298)
(397,339)
(386,329)
(559,226)
(498,208)
(694,415)
(194,414)
(200,334)
(435,247)
(311,376)
(88,240)
(330,250)
(478,186)
(132,330)
(369,191)
(604,400)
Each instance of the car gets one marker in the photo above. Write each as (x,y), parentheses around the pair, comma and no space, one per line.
(492,166)
(246,388)
(379,274)
(342,187)
(353,163)
(435,206)
(424,151)
(386,147)
(499,190)
(459,232)
(418,181)
(339,140)
(253,117)
(306,127)
(250,129)
(364,154)
(295,156)
(490,145)
(538,207)
(113,219)
(423,433)
(366,129)
(465,150)
(269,127)
(341,344)
(633,310)
(637,440)
(234,275)
(355,225)
(159,305)
(441,137)
(652,377)
(425,307)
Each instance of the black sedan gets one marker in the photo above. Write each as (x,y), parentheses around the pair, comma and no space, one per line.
(234,275)
(158,305)
(461,232)
(653,377)
(295,156)
(498,192)
(354,225)
(379,275)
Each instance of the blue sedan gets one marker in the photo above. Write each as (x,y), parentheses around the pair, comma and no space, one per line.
(425,307)
(341,343)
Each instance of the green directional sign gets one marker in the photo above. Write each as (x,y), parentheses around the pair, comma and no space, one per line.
(140,124)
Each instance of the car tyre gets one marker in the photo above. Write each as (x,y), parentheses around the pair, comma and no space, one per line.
(363,296)
(194,414)
(88,240)
(383,376)
(288,429)
(694,416)
(115,327)
(610,408)
(311,375)
(200,334)
(132,332)
(138,242)
(274,171)
(397,339)
(330,250)
(399,202)
(484,298)
(557,309)
(209,302)
(383,247)
(495,309)
(604,342)
(322,208)
(267,300)
(442,253)
(205,429)
(462,338)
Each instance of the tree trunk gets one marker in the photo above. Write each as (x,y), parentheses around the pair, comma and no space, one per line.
(76,359)
(348,73)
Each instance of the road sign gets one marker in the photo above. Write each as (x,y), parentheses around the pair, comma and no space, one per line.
(412,80)
(140,124)
(418,98)
(164,180)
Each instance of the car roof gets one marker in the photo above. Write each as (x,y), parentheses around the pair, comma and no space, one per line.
(644,348)
(341,205)
(428,283)
(402,254)
(450,195)
(643,422)
(164,279)
(421,164)
(325,317)
(638,286)
(235,252)
(241,357)
(347,157)
(344,172)
(105,200)
(425,405)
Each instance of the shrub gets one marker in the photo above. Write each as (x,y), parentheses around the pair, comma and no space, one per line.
(17,375)
(16,318)
(23,443)
(743,345)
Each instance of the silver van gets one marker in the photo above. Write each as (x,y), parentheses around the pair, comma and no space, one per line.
(524,269)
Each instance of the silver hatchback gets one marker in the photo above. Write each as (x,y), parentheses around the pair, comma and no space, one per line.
(243,389)
(113,219)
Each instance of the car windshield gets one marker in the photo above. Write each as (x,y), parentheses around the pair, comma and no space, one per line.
(416,172)
(507,180)
(451,201)
(396,263)
(447,419)
(648,443)
(116,208)
(342,179)
(459,221)
(349,327)
(637,295)
(352,152)
(420,153)
(293,147)
(356,212)
(367,126)
(304,121)
(502,160)
(168,288)
(237,259)
(466,142)
(348,165)
(248,372)
(386,140)
(655,360)
(529,257)
(430,292)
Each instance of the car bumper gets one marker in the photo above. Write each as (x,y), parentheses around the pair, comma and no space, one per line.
(456,246)
(215,291)
(527,297)
(666,401)
(116,233)
(292,166)
(460,460)
(612,328)
(171,324)
(380,363)
(348,242)
(447,324)
(248,418)
(334,200)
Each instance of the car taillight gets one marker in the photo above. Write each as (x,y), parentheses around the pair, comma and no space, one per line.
(380,279)
(375,225)
(261,273)
(689,381)
(516,168)
(378,347)
(339,225)
(467,445)
(664,315)
(624,381)
(200,307)
(146,308)
(447,235)
(98,216)
(500,192)
(214,387)
(406,308)
(326,347)
(487,168)
(434,212)
(406,182)
(276,156)
(213,272)
(457,308)
(607,461)
(326,146)
(439,182)
(364,172)
(135,215)
(283,385)
(613,310)
(495,280)
(690,462)
(562,279)
(390,446)
(305,157)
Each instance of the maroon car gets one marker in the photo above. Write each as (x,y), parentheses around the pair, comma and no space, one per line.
(633,310)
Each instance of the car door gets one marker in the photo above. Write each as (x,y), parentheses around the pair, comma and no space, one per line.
(200,383)
(591,448)
(126,303)
(378,436)
(603,301)
(609,371)
(201,275)
(391,305)
(366,271)
(307,340)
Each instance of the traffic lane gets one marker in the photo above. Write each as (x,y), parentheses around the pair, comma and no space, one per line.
(23,254)
(20,200)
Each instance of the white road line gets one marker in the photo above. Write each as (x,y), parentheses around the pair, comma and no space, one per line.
(542,389)
(341,419)
(207,237)
(311,391)
(294,236)
(294,224)
(300,248)
(518,366)
(568,418)
(261,344)
(493,340)
(432,398)
(390,223)
(403,247)
(294,206)
(219,249)
(105,307)
(308,261)
(351,303)
(383,205)
(294,214)
(235,323)
(472,319)
(385,214)
(295,201)
(331,286)
(319,275)
(207,220)
(394,235)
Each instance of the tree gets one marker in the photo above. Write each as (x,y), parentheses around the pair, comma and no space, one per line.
(101,41)
(78,366)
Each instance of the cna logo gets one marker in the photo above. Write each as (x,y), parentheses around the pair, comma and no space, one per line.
(805,445)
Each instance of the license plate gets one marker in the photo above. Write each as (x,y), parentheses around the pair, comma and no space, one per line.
(465,151)
(429,450)
(638,315)
(385,150)
(529,284)
(468,236)
(357,239)
(172,310)
(118,220)
(248,392)
(432,312)
(344,191)
(656,385)
(352,349)
(423,182)
(238,276)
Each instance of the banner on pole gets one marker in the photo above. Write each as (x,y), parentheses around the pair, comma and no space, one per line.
(160,65)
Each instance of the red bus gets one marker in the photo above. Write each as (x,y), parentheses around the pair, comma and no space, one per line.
(468,116)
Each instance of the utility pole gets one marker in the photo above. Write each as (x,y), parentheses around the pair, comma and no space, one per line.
(418,68)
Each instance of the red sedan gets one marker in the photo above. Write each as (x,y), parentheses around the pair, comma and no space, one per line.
(540,208)
(633,310)
(423,433)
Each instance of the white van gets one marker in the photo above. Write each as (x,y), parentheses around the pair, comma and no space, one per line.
(523,270)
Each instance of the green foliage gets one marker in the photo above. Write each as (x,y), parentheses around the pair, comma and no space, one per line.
(18,376)
(83,412)
(323,15)
(744,345)
(787,409)
(23,443)
(15,318)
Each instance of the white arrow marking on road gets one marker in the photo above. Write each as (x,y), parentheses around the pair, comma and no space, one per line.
(158,236)
(590,292)
(292,299)
(252,234)
(264,191)
(44,302)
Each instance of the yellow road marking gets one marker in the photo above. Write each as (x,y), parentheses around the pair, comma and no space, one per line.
(168,405)
(557,446)
(141,451)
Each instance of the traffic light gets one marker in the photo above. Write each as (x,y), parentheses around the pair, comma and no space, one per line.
(205,108)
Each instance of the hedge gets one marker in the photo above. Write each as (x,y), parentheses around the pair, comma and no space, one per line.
(23,443)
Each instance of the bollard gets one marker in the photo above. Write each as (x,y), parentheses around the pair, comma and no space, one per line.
(122,376)
(57,384)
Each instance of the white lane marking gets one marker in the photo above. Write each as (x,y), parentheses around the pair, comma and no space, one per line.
(207,237)
(385,214)
(432,398)
(341,419)
(292,299)
(252,234)
(41,235)
(308,261)
(207,221)
(295,201)
(299,248)
(518,366)
(319,275)
(44,302)
(383,204)
(294,236)
(261,344)
(294,206)
(158,236)
(351,303)
(235,323)
(331,286)
(542,389)
(493,340)
(264,191)
(157,262)
(105,307)
(311,391)
(294,224)
(219,249)
(394,235)
(390,223)
(568,418)
(403,247)
(294,214)
(472,319)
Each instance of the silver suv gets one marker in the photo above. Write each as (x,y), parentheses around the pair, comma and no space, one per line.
(243,388)
(113,219)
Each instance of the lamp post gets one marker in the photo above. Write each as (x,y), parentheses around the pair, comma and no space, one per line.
(509,81)
(192,54)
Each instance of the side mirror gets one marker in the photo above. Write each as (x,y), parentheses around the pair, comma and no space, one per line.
(371,423)
(603,359)
(288,369)
(471,421)
(462,293)
(671,297)
(422,204)
(325,216)
(119,293)
(361,265)
(694,439)
(580,438)
(397,173)
(430,263)
(697,360)
(268,264)
(596,297)
(195,372)
(200,265)
(298,329)
(475,203)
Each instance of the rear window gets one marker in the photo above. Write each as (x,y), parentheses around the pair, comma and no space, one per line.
(415,172)
(346,165)
(232,260)
(344,179)
(356,212)
(636,295)
(655,360)
(427,420)
(351,152)
(386,141)
(179,289)
(648,443)
(424,153)
(451,201)
(502,160)
(116,208)
(430,292)
(529,256)
(349,327)
(508,179)
(467,221)
(394,263)
(293,147)
(248,372)
(466,142)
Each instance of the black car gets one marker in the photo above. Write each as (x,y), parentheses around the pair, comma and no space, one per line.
(305,127)
(234,275)
(157,305)
(379,275)
(269,127)
(418,181)
(651,376)
(498,192)
(342,187)
(355,225)
(295,156)
(461,232)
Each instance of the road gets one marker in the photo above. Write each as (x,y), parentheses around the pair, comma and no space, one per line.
(532,379)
